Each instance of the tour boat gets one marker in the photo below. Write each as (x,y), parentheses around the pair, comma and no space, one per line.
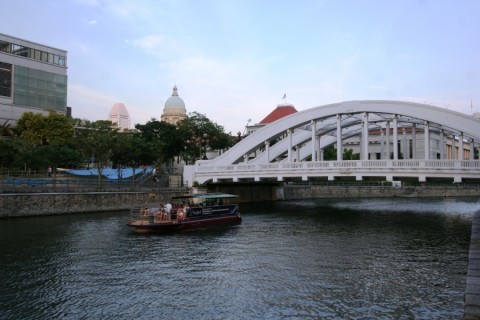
(197,211)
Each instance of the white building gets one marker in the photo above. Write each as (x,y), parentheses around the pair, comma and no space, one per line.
(119,116)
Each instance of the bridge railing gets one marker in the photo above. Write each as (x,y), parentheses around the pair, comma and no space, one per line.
(370,164)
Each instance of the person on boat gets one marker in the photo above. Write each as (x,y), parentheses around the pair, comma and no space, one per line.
(159,213)
(151,214)
(186,208)
(144,212)
(182,211)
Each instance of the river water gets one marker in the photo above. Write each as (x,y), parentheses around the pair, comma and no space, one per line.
(310,259)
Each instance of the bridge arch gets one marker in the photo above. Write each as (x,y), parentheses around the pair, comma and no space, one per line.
(292,146)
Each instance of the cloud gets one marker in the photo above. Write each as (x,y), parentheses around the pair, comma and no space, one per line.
(151,44)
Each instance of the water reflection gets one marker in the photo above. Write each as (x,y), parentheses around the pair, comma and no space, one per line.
(375,259)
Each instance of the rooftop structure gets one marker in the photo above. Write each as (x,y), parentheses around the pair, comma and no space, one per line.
(119,116)
(174,109)
(282,110)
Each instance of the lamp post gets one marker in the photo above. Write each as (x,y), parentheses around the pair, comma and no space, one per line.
(205,142)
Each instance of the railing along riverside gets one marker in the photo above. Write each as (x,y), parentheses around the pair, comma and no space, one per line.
(42,185)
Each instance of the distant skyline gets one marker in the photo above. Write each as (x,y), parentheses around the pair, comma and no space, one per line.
(234,60)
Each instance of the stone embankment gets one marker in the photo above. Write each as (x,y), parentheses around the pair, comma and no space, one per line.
(472,290)
(252,193)
(34,204)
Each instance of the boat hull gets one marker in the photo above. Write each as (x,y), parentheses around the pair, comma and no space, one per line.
(190,224)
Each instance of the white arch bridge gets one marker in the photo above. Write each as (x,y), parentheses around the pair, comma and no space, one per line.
(395,140)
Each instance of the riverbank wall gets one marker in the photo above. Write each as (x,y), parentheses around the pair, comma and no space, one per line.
(35,204)
(256,193)
(472,290)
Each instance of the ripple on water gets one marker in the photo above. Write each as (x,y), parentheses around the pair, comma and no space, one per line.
(375,259)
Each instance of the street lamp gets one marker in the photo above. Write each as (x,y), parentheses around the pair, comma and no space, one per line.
(205,142)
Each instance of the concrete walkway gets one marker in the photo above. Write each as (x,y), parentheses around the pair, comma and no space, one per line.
(472,291)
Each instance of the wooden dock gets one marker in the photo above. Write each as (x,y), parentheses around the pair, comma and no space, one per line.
(472,291)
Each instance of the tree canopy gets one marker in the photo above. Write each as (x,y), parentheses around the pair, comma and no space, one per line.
(197,132)
(37,129)
(40,141)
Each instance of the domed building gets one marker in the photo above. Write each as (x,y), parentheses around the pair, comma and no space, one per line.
(174,109)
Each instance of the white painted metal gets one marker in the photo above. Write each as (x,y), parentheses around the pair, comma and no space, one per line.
(334,124)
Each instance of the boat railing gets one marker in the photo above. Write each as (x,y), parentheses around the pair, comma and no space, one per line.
(146,215)
(137,213)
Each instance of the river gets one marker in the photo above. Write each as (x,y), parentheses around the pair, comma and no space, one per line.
(310,259)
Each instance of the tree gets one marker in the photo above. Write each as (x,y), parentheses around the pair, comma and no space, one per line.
(128,149)
(160,142)
(98,141)
(8,153)
(7,131)
(37,129)
(330,153)
(58,155)
(45,141)
(197,132)
(349,155)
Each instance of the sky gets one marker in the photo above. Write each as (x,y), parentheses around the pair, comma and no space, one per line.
(234,60)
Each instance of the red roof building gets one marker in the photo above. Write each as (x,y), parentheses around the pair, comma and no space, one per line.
(281,111)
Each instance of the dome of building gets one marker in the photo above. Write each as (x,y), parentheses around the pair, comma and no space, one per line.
(175,102)
(174,110)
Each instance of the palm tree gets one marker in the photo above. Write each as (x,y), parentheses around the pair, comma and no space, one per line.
(7,131)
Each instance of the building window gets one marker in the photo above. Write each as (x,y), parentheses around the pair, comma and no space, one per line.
(40,89)
(5,79)
(20,50)
(4,46)
(32,53)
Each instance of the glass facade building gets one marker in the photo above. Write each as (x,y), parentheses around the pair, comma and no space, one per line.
(33,78)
